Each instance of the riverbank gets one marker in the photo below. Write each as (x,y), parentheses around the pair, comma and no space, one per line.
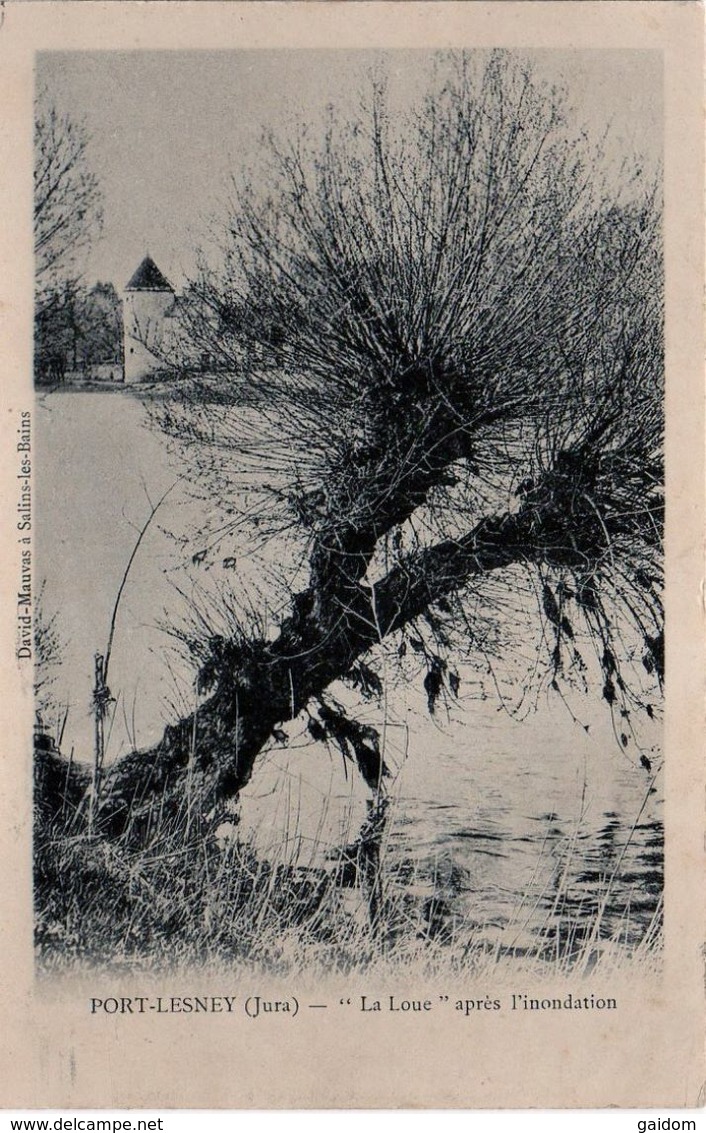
(547,815)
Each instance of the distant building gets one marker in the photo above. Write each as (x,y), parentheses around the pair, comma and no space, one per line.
(158,333)
(150,323)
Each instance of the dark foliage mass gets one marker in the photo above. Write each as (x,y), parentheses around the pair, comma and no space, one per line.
(72,326)
(75,329)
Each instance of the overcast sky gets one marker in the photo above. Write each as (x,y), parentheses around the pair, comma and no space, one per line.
(167,127)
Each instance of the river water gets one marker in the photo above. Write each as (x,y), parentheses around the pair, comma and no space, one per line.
(523,828)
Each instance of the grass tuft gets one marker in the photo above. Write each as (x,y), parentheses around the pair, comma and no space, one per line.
(185,894)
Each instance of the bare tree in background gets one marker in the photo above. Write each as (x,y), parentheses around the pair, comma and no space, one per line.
(67,217)
(454,327)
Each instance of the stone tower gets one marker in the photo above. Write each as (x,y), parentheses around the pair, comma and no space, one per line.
(147,300)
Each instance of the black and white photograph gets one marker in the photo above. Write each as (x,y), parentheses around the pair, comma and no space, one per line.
(350,648)
(340,502)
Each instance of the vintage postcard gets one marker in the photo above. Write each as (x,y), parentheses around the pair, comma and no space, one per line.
(353,610)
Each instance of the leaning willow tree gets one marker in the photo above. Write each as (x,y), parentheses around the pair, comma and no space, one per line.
(450,327)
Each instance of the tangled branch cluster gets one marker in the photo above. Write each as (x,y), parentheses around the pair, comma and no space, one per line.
(445,340)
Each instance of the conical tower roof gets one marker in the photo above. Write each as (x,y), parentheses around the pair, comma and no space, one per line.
(148,277)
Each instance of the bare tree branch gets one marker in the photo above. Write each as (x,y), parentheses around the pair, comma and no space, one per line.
(451,328)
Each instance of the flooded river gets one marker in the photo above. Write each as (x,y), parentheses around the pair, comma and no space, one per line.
(532,824)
